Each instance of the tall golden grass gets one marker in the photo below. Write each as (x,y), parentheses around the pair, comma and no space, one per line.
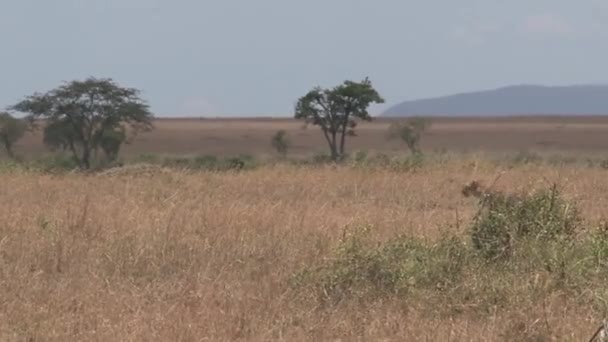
(161,255)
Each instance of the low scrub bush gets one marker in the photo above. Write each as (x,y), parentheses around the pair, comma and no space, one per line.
(362,269)
(504,219)
(533,235)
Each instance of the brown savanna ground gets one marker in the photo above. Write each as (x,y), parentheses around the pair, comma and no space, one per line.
(167,255)
(571,135)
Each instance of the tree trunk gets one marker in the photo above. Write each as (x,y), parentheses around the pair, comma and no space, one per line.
(86,157)
(334,147)
(331,142)
(85,161)
(343,137)
(74,152)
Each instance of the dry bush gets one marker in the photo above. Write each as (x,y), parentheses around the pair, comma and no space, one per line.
(190,256)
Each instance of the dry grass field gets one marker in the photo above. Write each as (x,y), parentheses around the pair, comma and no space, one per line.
(252,136)
(153,254)
(161,255)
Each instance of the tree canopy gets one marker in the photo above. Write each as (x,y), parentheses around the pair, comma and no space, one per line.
(335,111)
(80,114)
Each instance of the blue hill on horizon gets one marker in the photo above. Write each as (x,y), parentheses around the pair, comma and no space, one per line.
(520,100)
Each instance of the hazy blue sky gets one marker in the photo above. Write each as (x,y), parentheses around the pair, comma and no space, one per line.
(256,57)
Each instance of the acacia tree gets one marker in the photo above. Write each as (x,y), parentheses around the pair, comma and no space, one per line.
(11,130)
(79,113)
(335,111)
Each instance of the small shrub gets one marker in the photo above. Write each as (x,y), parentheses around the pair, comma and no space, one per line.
(280,142)
(505,218)
(410,132)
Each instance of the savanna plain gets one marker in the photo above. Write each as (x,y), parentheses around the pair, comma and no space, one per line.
(371,249)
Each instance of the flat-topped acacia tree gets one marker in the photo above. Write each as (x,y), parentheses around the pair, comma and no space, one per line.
(335,111)
(86,111)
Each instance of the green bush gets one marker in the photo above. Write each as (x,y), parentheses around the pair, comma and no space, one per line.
(362,269)
(450,277)
(504,219)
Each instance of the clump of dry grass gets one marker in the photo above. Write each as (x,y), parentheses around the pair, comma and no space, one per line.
(187,256)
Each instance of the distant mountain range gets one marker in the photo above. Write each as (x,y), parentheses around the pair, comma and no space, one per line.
(514,100)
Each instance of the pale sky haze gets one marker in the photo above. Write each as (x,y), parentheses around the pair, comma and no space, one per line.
(245,58)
